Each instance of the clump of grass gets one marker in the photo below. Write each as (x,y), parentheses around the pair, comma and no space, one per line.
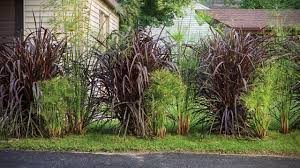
(271,98)
(227,63)
(260,100)
(22,65)
(165,97)
(285,103)
(55,103)
(126,71)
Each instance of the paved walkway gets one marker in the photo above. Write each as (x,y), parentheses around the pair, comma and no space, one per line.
(21,159)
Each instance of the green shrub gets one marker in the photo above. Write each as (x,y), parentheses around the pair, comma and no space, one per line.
(259,101)
(272,95)
(165,98)
(55,102)
(285,48)
(285,100)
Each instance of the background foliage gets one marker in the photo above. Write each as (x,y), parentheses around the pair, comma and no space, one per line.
(71,17)
(270,4)
(144,13)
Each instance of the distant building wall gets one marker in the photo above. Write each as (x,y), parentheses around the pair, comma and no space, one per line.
(187,25)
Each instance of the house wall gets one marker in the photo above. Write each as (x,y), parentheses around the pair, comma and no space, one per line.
(44,14)
(7,19)
(102,16)
(11,20)
(188,25)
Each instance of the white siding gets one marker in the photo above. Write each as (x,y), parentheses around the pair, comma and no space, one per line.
(41,13)
(97,6)
(188,25)
(38,7)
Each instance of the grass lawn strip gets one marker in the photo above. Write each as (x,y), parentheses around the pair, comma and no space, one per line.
(275,144)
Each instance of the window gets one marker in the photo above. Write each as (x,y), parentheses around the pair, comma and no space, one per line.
(104,23)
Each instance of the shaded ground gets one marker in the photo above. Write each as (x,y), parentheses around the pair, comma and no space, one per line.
(16,159)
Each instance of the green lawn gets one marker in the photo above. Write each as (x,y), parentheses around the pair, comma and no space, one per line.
(276,143)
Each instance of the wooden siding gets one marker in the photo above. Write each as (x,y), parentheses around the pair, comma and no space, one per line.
(45,14)
(41,13)
(98,22)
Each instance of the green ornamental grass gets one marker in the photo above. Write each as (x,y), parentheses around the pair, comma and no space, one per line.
(165,97)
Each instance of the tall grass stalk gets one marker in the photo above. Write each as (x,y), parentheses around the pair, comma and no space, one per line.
(166,95)
(286,80)
(260,100)
(285,48)
(73,17)
(54,104)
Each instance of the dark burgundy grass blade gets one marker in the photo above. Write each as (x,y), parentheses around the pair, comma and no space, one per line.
(124,75)
(227,65)
(23,63)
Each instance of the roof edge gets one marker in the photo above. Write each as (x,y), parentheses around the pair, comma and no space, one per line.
(239,18)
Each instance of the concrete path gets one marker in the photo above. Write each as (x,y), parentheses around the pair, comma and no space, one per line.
(21,159)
